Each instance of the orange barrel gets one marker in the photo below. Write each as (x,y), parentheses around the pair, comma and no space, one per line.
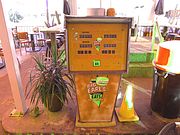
(168,57)
(111,12)
(165,98)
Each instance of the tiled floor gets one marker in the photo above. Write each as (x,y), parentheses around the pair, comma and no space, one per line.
(6,99)
(142,45)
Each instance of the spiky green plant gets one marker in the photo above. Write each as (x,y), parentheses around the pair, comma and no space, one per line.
(49,79)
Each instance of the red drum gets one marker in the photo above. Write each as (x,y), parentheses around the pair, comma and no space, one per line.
(168,56)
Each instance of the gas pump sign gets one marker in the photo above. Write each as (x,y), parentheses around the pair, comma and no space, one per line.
(97,46)
(96,88)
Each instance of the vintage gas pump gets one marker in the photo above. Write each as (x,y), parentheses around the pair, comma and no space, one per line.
(97,51)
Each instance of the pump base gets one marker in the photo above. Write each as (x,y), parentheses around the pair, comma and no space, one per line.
(95,124)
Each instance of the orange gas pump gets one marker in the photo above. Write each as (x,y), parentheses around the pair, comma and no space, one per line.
(97,52)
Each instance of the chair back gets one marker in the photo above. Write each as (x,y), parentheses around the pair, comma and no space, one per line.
(22,35)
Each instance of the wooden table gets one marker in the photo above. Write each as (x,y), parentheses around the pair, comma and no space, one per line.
(51,33)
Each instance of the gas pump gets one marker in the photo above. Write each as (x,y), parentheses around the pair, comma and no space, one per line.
(97,52)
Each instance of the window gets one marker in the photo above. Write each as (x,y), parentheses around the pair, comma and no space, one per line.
(33,11)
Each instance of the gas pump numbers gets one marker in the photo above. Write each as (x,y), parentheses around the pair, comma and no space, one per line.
(96,63)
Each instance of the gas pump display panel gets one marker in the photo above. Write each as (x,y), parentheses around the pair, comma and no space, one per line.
(97,44)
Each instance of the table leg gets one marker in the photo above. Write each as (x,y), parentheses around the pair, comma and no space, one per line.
(32,42)
(33,47)
(53,46)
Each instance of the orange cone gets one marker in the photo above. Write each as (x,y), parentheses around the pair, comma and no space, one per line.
(126,112)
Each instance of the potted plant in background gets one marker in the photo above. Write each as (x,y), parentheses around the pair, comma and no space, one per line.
(49,83)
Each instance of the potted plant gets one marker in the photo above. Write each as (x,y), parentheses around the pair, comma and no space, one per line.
(49,83)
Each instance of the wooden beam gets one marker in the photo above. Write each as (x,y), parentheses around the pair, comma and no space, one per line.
(12,65)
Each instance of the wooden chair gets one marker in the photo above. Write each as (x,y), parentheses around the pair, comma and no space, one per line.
(41,40)
(15,38)
(2,64)
(40,37)
(23,40)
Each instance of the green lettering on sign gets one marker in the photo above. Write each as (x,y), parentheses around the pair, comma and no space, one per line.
(102,81)
(98,102)
(96,63)
(98,48)
(96,98)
